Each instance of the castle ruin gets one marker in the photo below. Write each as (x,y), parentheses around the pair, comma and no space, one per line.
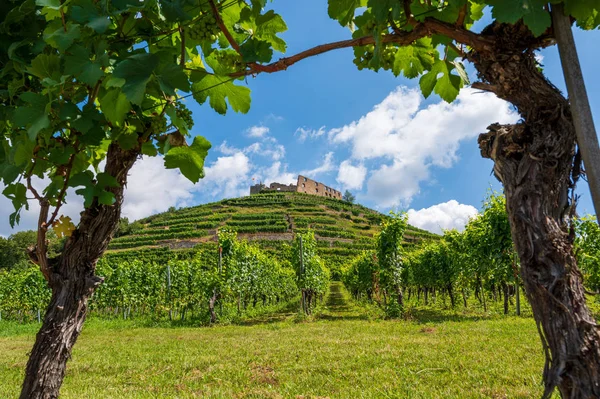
(303,185)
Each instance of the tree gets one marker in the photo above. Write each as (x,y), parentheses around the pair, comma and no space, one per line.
(86,89)
(349,197)
(124,62)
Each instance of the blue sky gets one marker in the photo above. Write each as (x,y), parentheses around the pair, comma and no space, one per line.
(369,132)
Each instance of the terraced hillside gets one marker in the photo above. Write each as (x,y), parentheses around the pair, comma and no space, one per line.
(270,220)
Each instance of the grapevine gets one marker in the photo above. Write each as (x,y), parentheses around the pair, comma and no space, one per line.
(184,114)
(206,28)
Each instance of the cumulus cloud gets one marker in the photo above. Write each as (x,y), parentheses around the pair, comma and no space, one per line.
(151,188)
(304,133)
(350,176)
(227,176)
(445,216)
(326,166)
(277,172)
(257,131)
(407,140)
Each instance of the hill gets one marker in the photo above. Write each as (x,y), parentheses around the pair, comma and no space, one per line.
(270,220)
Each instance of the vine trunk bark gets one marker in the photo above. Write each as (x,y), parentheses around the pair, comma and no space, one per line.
(537,164)
(73,281)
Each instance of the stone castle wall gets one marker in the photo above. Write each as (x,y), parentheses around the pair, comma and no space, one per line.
(309,186)
(304,185)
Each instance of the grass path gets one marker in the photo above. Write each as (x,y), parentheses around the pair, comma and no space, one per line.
(341,354)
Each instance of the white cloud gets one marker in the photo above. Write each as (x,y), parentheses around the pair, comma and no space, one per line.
(151,188)
(409,140)
(224,148)
(257,131)
(445,216)
(275,173)
(350,176)
(227,176)
(304,133)
(326,166)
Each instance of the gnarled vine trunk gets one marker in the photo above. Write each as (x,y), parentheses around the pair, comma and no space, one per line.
(536,163)
(73,281)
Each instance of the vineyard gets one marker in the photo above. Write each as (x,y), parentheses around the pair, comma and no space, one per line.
(398,272)
(228,272)
(234,253)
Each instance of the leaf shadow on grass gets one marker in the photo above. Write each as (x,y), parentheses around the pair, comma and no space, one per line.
(423,316)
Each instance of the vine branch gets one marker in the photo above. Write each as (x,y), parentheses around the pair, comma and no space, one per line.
(223,28)
(427,28)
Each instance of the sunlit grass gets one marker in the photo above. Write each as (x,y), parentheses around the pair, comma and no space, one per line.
(343,352)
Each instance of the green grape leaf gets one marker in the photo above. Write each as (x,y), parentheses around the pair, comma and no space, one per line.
(537,20)
(441,81)
(34,116)
(55,35)
(115,106)
(508,11)
(254,50)
(81,179)
(532,11)
(149,149)
(136,71)
(189,160)
(415,59)
(268,26)
(85,12)
(50,8)
(381,9)
(81,66)
(173,10)
(46,66)
(462,72)
(586,12)
(343,10)
(17,193)
(172,77)
(179,123)
(219,89)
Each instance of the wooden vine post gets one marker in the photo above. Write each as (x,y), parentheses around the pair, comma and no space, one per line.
(585,131)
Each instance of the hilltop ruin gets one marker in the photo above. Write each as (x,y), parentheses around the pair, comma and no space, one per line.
(303,185)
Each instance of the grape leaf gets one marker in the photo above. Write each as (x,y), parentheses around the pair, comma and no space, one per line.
(81,66)
(343,10)
(415,59)
(189,160)
(85,12)
(532,11)
(56,36)
(17,193)
(537,19)
(136,71)
(254,50)
(219,89)
(508,11)
(34,116)
(63,227)
(115,106)
(441,81)
(268,26)
(46,66)
(172,77)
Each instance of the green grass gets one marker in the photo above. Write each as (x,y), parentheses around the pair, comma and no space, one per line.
(344,351)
